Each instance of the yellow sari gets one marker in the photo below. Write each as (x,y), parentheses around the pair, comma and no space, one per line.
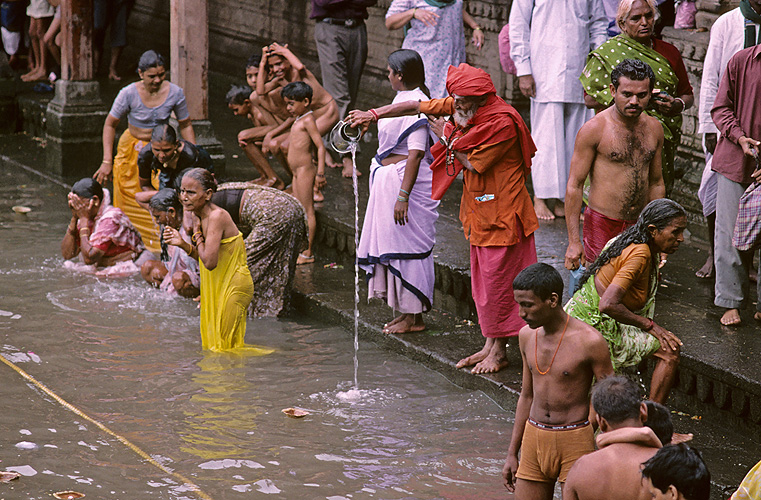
(126,184)
(226,292)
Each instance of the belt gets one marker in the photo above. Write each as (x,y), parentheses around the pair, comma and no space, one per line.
(566,427)
(349,23)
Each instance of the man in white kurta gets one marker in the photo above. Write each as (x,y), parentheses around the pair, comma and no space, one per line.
(549,43)
(728,35)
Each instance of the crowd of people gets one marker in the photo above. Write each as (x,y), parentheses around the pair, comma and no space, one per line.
(606,116)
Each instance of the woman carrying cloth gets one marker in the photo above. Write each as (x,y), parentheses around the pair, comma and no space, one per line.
(226,286)
(617,294)
(398,234)
(146,103)
(672,94)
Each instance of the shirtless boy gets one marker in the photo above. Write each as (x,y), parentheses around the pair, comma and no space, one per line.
(614,470)
(287,68)
(304,142)
(620,149)
(561,355)
(239,101)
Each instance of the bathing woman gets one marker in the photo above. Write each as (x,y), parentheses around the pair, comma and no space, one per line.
(226,286)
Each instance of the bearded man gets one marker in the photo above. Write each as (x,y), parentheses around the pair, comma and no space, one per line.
(487,138)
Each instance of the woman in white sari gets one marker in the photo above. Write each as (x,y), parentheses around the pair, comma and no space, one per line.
(396,246)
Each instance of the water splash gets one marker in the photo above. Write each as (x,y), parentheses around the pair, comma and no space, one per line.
(355,185)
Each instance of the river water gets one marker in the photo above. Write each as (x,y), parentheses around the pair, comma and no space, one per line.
(129,358)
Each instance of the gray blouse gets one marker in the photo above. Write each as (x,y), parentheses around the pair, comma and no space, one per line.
(139,115)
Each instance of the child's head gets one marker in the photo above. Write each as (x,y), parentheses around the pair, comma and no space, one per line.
(238,100)
(659,420)
(297,97)
(279,65)
(252,69)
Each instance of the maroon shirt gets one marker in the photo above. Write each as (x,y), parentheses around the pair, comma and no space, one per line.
(737,113)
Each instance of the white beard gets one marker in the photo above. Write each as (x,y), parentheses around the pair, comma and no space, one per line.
(462,119)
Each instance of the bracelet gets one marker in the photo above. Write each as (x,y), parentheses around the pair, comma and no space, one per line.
(402,199)
(197,237)
(652,324)
(108,162)
(374,113)
(477,28)
(84,232)
(320,175)
(405,192)
(684,106)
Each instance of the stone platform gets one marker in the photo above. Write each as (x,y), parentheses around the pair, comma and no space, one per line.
(719,389)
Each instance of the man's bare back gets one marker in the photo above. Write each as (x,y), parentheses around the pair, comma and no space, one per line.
(625,162)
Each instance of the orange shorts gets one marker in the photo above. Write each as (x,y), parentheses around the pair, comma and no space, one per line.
(548,454)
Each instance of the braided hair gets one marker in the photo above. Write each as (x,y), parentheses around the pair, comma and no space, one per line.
(659,213)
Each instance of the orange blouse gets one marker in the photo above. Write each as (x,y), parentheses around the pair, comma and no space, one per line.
(631,271)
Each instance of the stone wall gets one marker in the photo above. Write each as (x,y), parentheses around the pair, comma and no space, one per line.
(238,28)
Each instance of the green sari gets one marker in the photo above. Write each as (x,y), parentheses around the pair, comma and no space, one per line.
(628,344)
(596,80)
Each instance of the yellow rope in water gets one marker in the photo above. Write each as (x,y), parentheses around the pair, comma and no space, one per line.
(105,429)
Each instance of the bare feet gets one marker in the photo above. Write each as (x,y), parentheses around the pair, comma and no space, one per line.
(406,323)
(757,316)
(542,210)
(273,182)
(678,437)
(495,361)
(707,270)
(731,317)
(477,357)
(347,167)
(113,75)
(329,162)
(304,259)
(34,75)
(559,209)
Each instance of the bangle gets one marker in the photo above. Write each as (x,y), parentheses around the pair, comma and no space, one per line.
(652,324)
(320,175)
(197,237)
(402,199)
(477,28)
(684,106)
(374,113)
(108,162)
(405,192)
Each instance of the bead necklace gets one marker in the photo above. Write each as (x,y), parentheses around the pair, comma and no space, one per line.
(536,343)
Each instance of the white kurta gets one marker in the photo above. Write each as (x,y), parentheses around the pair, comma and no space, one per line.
(551,39)
(727,39)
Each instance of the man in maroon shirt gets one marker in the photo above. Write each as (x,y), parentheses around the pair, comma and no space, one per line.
(737,114)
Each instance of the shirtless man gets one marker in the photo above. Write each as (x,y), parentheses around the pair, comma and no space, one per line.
(305,142)
(620,149)
(614,470)
(287,68)
(561,355)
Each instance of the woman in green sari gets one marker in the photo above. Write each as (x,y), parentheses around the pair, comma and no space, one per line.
(672,94)
(617,294)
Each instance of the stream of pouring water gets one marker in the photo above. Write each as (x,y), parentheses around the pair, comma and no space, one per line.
(356,260)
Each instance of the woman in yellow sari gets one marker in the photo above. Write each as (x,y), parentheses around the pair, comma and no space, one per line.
(226,285)
(146,103)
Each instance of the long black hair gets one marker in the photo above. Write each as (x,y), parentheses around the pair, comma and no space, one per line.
(659,213)
(409,64)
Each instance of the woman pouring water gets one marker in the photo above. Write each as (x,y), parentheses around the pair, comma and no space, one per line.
(398,233)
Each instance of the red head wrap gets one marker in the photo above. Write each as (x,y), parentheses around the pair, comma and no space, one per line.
(465,80)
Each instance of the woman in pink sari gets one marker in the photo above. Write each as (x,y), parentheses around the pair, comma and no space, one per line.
(398,234)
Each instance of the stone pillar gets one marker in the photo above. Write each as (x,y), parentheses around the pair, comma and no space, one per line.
(189,69)
(75,116)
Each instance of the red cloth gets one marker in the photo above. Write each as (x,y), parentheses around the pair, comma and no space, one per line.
(598,230)
(674,58)
(492,271)
(465,80)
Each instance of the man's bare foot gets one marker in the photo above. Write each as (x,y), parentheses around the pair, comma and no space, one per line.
(542,210)
(495,361)
(678,437)
(559,209)
(260,181)
(113,75)
(731,317)
(477,357)
(35,75)
(406,323)
(348,165)
(332,164)
(757,316)
(304,259)
(707,270)
(393,321)
(273,182)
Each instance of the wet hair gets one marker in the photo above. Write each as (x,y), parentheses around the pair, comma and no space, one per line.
(681,466)
(540,278)
(87,188)
(237,94)
(616,399)
(409,64)
(165,199)
(254,61)
(150,59)
(633,69)
(164,132)
(659,420)
(203,176)
(625,8)
(298,91)
(659,213)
